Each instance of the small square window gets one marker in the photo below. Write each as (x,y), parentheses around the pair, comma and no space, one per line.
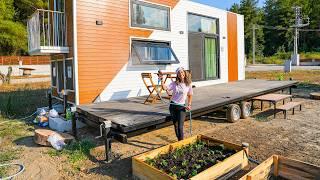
(151,16)
(149,52)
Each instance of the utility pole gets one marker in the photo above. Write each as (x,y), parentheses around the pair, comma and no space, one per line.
(254,44)
(298,24)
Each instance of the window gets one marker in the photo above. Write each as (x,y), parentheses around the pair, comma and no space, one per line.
(152,16)
(202,24)
(148,52)
(204,48)
(69,74)
(54,74)
(60,76)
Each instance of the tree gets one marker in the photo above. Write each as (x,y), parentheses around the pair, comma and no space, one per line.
(12,34)
(252,16)
(235,8)
(25,8)
(279,13)
(13,20)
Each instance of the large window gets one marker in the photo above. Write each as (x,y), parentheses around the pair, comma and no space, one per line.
(204,47)
(148,15)
(149,52)
(202,24)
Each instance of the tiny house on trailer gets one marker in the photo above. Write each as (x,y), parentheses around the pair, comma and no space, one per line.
(100,48)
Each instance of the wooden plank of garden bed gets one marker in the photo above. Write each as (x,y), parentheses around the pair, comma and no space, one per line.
(225,169)
(262,171)
(294,169)
(284,167)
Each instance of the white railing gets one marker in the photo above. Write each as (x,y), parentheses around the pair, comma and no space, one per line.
(46,30)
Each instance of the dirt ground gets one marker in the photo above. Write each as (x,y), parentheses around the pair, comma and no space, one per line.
(297,137)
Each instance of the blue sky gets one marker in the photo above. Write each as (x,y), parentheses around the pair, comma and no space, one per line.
(223,4)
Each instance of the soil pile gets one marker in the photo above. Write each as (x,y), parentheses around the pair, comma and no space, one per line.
(190,160)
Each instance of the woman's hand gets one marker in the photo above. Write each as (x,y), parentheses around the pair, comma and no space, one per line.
(188,108)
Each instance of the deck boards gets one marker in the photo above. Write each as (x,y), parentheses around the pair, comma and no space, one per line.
(132,114)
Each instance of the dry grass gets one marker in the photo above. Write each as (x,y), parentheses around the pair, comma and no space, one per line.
(19,100)
(22,87)
(29,77)
(303,76)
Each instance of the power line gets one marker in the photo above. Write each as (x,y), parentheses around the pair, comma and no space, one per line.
(309,30)
(284,28)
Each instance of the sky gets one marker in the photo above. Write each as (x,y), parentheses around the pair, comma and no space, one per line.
(223,4)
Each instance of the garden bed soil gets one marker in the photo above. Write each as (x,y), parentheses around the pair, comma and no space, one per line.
(198,157)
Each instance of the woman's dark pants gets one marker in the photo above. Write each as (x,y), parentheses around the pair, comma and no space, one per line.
(178,115)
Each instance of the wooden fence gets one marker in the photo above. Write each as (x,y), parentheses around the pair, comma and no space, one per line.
(26,60)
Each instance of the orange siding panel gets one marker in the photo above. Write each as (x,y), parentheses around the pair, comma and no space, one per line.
(232,47)
(104,49)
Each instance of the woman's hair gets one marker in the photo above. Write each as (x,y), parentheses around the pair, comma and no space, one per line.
(187,78)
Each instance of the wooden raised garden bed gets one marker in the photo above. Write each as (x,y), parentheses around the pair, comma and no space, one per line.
(198,157)
(278,167)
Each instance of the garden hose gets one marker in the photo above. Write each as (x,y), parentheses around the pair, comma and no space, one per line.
(14,175)
(246,145)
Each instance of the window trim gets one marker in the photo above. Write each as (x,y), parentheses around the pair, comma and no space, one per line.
(147,41)
(152,5)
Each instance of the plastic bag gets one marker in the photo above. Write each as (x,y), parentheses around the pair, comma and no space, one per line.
(53,113)
(41,111)
(56,141)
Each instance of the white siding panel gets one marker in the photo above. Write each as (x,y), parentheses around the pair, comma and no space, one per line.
(241,52)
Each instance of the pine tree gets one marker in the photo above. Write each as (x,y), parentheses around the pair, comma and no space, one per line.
(235,8)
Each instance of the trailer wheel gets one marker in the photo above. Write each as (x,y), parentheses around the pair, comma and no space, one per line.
(245,109)
(233,113)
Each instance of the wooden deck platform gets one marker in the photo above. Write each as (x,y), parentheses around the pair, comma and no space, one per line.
(131,114)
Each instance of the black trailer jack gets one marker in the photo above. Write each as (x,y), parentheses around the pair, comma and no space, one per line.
(105,133)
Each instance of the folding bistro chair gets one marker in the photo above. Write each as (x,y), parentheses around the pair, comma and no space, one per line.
(154,89)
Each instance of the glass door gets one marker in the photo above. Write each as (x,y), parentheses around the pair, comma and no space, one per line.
(210,58)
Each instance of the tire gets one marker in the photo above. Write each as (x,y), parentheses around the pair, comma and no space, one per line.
(245,109)
(233,113)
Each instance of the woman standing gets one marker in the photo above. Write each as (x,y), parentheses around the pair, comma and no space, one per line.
(180,89)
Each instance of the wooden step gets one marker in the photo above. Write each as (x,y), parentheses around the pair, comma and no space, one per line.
(289,105)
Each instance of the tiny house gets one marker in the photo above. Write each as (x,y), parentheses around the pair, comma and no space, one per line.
(100,48)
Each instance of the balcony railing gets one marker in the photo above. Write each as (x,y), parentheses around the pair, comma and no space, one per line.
(47,32)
